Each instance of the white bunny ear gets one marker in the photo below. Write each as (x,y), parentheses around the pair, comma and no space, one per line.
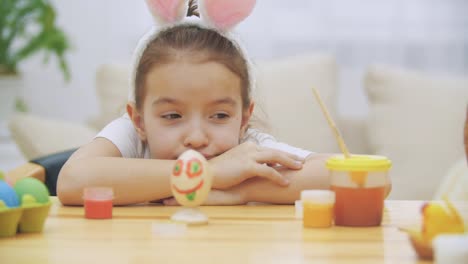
(168,11)
(225,14)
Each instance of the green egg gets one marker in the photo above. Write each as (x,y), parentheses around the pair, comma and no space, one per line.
(33,187)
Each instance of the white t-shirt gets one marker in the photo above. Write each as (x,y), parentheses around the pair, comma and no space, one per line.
(122,133)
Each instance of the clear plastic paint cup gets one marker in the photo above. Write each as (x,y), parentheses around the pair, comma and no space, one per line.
(317,208)
(360,183)
(98,202)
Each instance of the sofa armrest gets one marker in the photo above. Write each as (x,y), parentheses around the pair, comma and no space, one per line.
(38,136)
(354,132)
(45,169)
(28,169)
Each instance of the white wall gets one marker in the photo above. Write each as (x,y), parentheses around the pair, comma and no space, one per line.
(100,32)
(431,35)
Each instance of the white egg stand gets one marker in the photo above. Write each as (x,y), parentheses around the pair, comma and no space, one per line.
(190,216)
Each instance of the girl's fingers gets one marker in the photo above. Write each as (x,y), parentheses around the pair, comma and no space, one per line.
(264,171)
(271,156)
(292,156)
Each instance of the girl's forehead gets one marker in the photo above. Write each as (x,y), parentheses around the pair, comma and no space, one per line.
(181,75)
(186,81)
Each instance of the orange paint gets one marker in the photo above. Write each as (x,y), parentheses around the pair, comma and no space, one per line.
(359,206)
(317,214)
(359,177)
(98,209)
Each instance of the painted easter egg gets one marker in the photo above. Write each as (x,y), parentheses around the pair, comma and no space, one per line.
(8,195)
(191,179)
(32,187)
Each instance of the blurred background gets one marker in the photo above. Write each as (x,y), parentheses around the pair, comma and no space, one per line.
(427,35)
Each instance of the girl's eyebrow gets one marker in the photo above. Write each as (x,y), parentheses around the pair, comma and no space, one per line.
(165,100)
(225,100)
(169,100)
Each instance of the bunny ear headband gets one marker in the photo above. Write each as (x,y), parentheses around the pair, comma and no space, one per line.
(218,15)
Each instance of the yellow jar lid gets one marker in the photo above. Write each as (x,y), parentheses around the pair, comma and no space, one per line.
(359,163)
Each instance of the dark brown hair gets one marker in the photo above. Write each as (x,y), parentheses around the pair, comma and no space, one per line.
(193,9)
(200,43)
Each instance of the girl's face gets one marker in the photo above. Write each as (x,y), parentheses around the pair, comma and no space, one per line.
(191,105)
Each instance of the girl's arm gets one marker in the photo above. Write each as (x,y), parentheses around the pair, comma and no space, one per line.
(313,175)
(100,163)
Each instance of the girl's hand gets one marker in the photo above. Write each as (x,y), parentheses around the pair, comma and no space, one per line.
(217,197)
(249,160)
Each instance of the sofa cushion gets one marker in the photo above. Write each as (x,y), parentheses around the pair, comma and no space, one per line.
(38,136)
(284,95)
(416,120)
(112,82)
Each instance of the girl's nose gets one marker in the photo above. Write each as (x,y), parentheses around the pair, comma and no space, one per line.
(196,137)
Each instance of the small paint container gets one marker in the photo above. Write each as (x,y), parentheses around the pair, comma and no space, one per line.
(317,208)
(98,202)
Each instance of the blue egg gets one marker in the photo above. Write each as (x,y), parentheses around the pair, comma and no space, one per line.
(8,195)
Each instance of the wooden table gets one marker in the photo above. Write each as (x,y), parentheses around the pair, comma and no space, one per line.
(235,234)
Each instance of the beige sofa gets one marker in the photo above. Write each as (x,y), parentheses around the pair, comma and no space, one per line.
(415,119)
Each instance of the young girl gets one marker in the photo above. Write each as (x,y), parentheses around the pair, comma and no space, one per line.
(192,90)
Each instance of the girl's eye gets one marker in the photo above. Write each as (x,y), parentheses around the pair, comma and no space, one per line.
(171,116)
(220,116)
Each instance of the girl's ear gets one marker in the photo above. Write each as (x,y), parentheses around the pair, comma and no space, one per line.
(168,11)
(246,115)
(225,14)
(137,120)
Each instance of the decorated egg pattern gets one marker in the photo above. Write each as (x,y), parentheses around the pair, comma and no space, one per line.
(191,179)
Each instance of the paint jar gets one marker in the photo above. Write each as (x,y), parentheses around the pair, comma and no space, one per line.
(317,208)
(360,183)
(98,202)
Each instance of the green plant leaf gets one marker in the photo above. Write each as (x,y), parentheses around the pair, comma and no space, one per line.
(26,28)
(20,105)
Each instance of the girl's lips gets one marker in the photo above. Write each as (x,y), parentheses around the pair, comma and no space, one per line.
(208,157)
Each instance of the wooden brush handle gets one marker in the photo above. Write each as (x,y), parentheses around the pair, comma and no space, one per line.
(332,125)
